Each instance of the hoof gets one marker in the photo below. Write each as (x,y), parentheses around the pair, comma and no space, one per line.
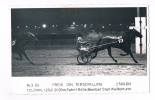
(115,61)
(136,61)
(32,63)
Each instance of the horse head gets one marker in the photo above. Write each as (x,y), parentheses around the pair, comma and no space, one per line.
(130,35)
(31,36)
(136,33)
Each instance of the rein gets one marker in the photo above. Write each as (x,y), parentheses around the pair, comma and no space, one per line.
(103,45)
(87,48)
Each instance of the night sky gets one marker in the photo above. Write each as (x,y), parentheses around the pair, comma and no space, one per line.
(79,15)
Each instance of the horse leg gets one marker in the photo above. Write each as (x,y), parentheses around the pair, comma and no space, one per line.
(23,52)
(20,55)
(130,53)
(94,54)
(125,49)
(109,52)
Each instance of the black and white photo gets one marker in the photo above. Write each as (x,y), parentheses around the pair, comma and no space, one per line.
(79,41)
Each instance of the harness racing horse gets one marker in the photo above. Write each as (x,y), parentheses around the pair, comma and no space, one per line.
(124,44)
(20,41)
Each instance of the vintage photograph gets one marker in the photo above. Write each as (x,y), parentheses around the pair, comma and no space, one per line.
(79,41)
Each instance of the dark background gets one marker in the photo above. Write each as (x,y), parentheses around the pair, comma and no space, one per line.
(66,16)
(79,15)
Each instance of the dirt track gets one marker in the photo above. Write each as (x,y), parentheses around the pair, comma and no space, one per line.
(64,63)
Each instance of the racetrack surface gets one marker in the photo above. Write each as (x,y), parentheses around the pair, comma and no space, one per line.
(63,62)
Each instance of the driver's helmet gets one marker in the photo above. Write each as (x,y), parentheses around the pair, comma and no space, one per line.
(79,39)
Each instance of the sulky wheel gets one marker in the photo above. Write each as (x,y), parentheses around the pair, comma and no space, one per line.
(93,55)
(83,58)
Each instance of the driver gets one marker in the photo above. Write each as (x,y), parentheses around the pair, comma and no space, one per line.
(80,42)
